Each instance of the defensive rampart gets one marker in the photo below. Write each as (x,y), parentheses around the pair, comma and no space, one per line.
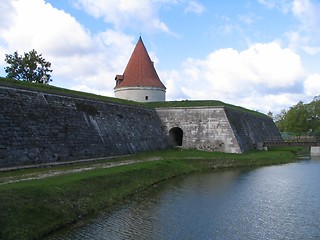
(37,127)
(216,128)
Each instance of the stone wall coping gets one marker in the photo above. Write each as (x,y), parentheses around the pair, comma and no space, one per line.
(211,107)
(195,107)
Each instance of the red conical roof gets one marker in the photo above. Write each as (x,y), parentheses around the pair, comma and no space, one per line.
(140,71)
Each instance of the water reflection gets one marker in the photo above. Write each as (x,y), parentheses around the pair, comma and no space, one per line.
(277,202)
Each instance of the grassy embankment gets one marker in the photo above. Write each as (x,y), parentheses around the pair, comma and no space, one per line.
(62,91)
(31,209)
(38,87)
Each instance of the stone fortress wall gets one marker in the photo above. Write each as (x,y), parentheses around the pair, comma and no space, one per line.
(216,128)
(38,127)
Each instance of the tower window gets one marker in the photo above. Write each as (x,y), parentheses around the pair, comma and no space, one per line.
(146,97)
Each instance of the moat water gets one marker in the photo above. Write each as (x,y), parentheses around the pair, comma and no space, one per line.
(276,202)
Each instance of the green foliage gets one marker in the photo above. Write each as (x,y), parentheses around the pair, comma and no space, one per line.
(314,116)
(295,119)
(301,118)
(279,120)
(31,67)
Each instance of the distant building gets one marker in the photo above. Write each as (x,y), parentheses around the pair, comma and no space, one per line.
(140,81)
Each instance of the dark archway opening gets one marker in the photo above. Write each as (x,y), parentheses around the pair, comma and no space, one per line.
(175,136)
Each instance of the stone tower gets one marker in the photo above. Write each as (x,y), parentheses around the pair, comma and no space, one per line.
(140,81)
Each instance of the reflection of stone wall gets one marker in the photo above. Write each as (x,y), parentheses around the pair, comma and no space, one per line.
(38,127)
(218,128)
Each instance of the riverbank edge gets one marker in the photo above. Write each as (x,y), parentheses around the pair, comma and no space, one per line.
(36,208)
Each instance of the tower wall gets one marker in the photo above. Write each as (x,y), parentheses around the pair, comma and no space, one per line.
(141,94)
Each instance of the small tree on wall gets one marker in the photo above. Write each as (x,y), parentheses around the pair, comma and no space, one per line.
(31,67)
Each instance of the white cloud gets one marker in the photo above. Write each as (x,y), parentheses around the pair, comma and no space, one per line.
(194,7)
(306,36)
(228,28)
(308,14)
(269,102)
(259,77)
(312,50)
(173,82)
(141,15)
(273,66)
(96,70)
(243,78)
(283,5)
(299,7)
(247,19)
(5,16)
(312,85)
(78,58)
(37,24)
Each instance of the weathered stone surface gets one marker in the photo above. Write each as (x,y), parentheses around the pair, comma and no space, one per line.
(39,127)
(315,151)
(251,130)
(218,128)
(205,128)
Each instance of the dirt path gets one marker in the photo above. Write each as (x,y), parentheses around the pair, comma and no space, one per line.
(50,173)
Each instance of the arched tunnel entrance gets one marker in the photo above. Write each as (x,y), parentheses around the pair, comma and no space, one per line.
(175,136)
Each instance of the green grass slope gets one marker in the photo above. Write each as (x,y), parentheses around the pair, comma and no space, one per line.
(56,90)
(32,209)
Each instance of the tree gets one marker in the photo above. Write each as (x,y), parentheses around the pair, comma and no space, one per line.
(296,119)
(270,114)
(31,67)
(301,118)
(314,116)
(279,120)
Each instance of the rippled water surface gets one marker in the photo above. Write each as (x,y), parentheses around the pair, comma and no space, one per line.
(277,202)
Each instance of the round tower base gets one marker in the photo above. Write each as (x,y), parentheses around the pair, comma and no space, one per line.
(141,94)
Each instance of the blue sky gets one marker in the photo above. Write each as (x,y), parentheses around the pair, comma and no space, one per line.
(259,54)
